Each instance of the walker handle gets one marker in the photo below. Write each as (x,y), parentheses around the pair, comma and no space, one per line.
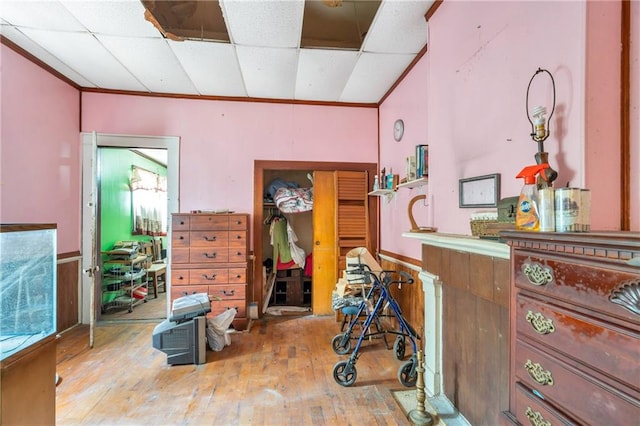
(408,279)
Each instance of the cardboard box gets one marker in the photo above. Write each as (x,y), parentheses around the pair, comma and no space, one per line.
(357,257)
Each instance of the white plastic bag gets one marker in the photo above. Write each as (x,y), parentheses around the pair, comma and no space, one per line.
(217,336)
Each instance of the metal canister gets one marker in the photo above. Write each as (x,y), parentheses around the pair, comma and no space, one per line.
(546,210)
(567,209)
(585,210)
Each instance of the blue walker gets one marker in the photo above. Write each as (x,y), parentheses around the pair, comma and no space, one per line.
(344,372)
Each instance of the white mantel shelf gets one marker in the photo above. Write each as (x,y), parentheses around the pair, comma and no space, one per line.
(462,243)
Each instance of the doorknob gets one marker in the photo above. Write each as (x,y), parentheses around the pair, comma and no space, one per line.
(92,270)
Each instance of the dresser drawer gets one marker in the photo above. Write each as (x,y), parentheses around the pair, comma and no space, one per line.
(179,222)
(208,255)
(180,254)
(579,396)
(610,350)
(237,238)
(184,290)
(531,410)
(228,291)
(209,276)
(219,306)
(237,254)
(179,277)
(180,239)
(237,275)
(574,282)
(238,221)
(204,222)
(209,238)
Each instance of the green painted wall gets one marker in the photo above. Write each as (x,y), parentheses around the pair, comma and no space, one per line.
(115,197)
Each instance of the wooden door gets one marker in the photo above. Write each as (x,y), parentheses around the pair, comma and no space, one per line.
(352,214)
(325,257)
(340,223)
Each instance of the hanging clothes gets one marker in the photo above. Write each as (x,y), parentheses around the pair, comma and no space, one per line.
(297,253)
(280,240)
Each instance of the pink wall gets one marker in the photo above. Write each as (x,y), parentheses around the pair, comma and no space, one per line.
(219,141)
(602,108)
(40,152)
(466,99)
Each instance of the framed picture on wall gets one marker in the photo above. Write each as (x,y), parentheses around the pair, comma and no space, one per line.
(480,191)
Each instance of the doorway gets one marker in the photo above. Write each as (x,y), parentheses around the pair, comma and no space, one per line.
(322,285)
(90,291)
(132,212)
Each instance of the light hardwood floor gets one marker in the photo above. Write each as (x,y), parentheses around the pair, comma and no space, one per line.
(280,372)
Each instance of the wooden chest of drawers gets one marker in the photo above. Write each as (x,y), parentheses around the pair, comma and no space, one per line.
(574,328)
(209,254)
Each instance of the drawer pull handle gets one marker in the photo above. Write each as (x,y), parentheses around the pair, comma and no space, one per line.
(537,274)
(535,418)
(210,256)
(238,237)
(627,295)
(538,373)
(539,323)
(181,237)
(209,278)
(228,293)
(207,238)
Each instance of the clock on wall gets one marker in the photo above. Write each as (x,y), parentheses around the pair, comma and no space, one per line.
(398,129)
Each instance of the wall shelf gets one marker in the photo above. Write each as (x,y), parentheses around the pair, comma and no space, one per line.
(381,192)
(415,183)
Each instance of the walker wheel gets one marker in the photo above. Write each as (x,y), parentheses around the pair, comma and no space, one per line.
(344,373)
(407,374)
(341,344)
(399,347)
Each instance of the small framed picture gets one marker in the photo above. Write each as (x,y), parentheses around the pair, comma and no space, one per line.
(480,191)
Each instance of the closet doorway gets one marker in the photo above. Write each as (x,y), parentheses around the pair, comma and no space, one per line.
(316,230)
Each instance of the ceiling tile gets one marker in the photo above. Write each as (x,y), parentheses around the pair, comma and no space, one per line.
(212,67)
(122,18)
(268,72)
(152,62)
(84,54)
(43,15)
(322,74)
(264,23)
(372,76)
(36,50)
(399,27)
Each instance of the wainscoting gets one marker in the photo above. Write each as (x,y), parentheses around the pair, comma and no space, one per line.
(466,306)
(68,278)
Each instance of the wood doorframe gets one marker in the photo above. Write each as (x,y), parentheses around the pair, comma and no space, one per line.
(259,166)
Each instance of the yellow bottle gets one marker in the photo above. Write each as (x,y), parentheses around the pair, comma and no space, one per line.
(527,213)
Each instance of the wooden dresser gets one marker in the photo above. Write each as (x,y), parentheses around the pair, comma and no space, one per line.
(574,328)
(209,254)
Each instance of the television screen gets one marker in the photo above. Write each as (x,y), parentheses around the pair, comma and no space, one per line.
(183,342)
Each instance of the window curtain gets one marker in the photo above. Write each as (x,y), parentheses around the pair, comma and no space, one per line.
(149,202)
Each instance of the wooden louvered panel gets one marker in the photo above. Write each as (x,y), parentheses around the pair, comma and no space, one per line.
(346,244)
(352,185)
(352,221)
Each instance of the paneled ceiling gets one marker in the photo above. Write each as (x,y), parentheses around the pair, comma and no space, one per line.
(349,51)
